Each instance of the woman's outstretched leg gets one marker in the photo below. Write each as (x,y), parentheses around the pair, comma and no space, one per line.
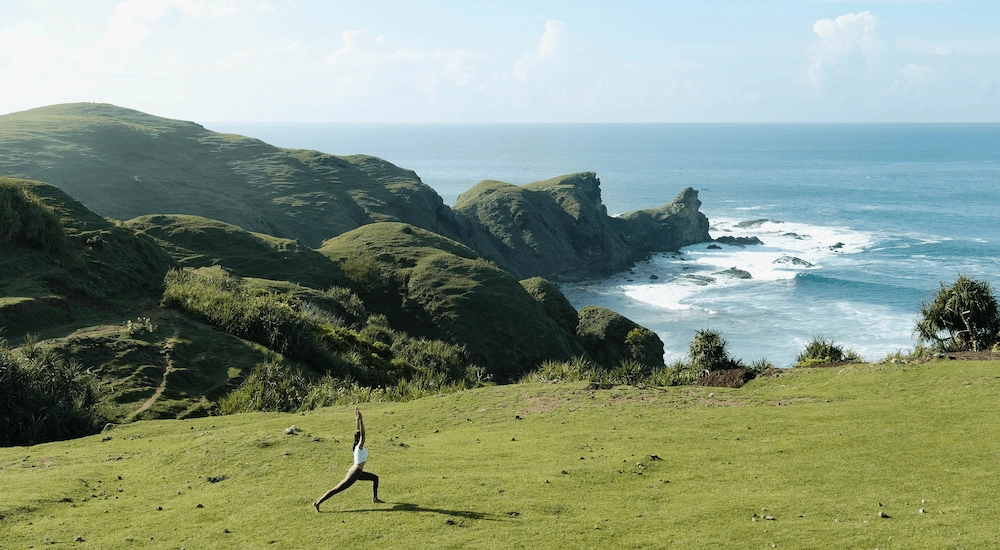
(352,476)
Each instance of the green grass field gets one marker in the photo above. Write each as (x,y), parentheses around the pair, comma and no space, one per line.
(822,451)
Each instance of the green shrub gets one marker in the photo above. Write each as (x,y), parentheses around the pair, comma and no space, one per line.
(963,316)
(677,374)
(270,387)
(433,357)
(629,372)
(708,352)
(25,219)
(642,344)
(373,353)
(45,398)
(257,315)
(820,351)
(576,370)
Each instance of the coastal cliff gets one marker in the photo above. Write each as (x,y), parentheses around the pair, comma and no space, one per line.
(124,164)
(560,229)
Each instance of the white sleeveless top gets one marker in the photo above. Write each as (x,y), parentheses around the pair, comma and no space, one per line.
(360,455)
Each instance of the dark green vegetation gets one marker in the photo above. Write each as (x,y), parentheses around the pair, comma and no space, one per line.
(26,220)
(123,164)
(170,313)
(329,331)
(44,397)
(708,352)
(962,317)
(821,451)
(820,351)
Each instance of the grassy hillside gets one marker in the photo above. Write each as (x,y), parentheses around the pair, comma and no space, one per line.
(123,164)
(428,284)
(99,270)
(821,451)
(196,242)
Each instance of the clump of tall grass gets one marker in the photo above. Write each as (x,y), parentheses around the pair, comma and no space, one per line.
(576,370)
(628,372)
(265,317)
(820,351)
(707,353)
(44,397)
(270,387)
(276,387)
(27,220)
(363,347)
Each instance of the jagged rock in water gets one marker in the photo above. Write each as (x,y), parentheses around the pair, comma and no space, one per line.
(792,260)
(739,241)
(735,273)
(748,224)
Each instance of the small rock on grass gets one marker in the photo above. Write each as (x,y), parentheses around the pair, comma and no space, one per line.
(882,514)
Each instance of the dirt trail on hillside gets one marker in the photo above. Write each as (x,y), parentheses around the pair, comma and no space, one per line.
(167,364)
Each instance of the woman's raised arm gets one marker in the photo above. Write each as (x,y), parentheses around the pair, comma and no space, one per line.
(361,427)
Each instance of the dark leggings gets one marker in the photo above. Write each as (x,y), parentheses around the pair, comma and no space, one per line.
(358,474)
(362,475)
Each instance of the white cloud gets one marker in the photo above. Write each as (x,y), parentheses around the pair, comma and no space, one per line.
(916,75)
(948,47)
(840,39)
(546,51)
(130,22)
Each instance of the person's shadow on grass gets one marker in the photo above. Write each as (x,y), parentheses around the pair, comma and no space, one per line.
(408,507)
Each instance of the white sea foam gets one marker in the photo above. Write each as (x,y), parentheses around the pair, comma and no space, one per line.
(789,249)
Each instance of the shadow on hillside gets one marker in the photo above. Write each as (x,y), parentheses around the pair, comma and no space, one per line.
(408,507)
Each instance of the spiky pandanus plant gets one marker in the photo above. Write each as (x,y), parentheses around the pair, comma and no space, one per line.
(963,316)
(708,352)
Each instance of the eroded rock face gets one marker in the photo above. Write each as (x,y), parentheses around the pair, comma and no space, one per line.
(559,228)
(667,228)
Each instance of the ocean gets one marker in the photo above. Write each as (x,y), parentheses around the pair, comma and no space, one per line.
(860,222)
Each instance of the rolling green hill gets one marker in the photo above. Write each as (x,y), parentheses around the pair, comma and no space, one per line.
(126,164)
(196,242)
(429,284)
(92,291)
(123,164)
(805,460)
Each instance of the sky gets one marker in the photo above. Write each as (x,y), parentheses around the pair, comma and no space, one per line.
(474,61)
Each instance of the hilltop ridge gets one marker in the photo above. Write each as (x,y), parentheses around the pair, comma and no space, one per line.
(123,164)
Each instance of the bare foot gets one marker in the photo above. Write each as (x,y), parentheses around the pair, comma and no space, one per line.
(375,500)
(316,506)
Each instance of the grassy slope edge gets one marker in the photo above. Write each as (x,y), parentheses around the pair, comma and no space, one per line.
(817,449)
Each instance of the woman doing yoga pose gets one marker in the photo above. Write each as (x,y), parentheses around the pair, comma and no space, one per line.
(357,471)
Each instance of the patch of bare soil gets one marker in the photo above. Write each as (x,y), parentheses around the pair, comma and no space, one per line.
(716,402)
(792,401)
(542,404)
(729,378)
(973,356)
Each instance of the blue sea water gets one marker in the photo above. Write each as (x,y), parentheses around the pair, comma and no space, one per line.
(882,212)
